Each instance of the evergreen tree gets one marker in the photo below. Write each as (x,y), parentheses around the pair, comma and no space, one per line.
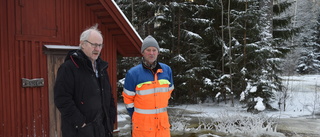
(242,33)
(256,51)
(183,29)
(263,70)
(309,62)
(195,43)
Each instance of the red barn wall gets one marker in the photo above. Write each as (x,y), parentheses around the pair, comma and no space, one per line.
(27,25)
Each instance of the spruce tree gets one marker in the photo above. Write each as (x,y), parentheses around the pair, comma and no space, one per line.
(309,62)
(184,28)
(209,57)
(256,50)
(266,54)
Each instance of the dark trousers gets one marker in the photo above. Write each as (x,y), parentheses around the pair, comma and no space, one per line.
(94,129)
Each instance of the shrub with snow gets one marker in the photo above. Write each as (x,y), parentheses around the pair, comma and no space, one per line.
(251,125)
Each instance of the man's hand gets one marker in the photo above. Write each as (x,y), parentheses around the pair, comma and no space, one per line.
(84,124)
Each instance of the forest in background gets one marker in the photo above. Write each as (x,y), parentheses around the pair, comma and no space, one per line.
(228,50)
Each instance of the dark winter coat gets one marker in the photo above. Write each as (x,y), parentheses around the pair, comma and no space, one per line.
(81,97)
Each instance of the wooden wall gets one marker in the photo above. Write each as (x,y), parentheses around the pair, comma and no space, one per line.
(27,25)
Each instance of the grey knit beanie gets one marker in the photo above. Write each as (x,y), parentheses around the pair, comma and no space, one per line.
(149,42)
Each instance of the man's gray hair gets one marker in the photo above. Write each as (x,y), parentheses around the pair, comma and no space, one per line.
(85,34)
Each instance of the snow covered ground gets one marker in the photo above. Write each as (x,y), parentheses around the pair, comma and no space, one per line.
(301,117)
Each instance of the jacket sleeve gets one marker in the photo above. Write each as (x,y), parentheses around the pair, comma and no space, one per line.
(129,93)
(171,86)
(112,114)
(112,110)
(63,97)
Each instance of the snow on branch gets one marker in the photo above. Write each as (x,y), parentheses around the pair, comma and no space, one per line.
(253,125)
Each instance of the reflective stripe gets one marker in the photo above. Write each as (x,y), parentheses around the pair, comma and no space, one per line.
(171,88)
(131,105)
(141,84)
(164,81)
(161,82)
(152,91)
(128,92)
(150,111)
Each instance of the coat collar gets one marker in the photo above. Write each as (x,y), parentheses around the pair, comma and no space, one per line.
(79,58)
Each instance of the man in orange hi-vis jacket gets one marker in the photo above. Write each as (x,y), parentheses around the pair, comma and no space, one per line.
(147,90)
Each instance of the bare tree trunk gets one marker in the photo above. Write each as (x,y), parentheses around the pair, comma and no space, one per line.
(245,38)
(230,57)
(179,32)
(222,37)
(173,30)
(132,11)
(223,92)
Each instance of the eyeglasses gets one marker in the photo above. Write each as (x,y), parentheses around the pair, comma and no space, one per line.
(94,45)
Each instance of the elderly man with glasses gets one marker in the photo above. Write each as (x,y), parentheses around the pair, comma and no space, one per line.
(82,91)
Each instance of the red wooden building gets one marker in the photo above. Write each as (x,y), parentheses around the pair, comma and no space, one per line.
(35,36)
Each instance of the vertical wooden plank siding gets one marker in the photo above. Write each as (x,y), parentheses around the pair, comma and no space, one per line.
(30,104)
(24,111)
(27,25)
(2,33)
(9,72)
(6,68)
(3,30)
(23,92)
(109,54)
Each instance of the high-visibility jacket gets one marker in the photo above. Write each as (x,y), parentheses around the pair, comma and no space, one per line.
(147,94)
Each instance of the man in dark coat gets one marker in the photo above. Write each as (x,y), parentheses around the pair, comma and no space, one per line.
(82,91)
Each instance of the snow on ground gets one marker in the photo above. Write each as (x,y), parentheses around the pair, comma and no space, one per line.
(302,103)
